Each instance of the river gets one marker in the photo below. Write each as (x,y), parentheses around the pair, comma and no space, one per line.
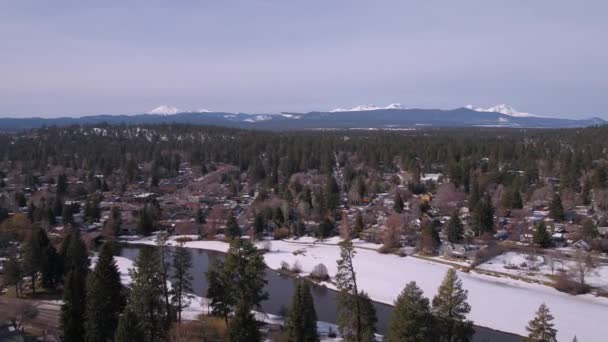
(281,287)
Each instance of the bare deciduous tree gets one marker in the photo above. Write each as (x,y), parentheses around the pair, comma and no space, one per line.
(582,266)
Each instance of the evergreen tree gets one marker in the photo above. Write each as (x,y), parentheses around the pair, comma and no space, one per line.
(35,252)
(146,300)
(483,216)
(104,300)
(398,203)
(50,268)
(455,230)
(181,279)
(129,328)
(233,230)
(239,279)
(541,235)
(518,203)
(556,209)
(450,308)
(333,193)
(541,328)
(145,222)
(74,292)
(259,225)
(356,320)
(243,327)
(219,290)
(325,228)
(359,226)
(590,231)
(412,320)
(301,319)
(474,194)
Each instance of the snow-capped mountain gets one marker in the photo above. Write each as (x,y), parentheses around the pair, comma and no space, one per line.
(502,109)
(170,110)
(393,116)
(367,107)
(164,110)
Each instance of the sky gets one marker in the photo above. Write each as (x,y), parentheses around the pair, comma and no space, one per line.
(74,58)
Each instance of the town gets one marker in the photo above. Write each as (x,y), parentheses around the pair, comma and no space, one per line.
(476,213)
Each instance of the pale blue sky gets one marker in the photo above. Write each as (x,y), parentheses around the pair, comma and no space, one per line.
(120,57)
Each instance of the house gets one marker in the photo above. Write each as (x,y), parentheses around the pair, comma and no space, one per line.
(581,244)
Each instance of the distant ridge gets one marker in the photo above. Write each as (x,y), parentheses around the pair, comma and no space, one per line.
(363,117)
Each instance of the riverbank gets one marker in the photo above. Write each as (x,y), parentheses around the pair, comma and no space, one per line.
(198,305)
(503,304)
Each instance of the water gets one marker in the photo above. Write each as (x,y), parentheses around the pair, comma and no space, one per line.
(281,288)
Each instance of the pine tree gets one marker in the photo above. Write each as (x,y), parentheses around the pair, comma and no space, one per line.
(518,203)
(359,226)
(74,292)
(356,320)
(450,308)
(35,252)
(483,215)
(541,328)
(475,194)
(219,290)
(243,327)
(541,235)
(590,230)
(146,300)
(145,222)
(50,268)
(181,279)
(104,301)
(239,279)
(412,320)
(301,320)
(233,230)
(129,328)
(398,203)
(556,209)
(333,193)
(455,230)
(165,254)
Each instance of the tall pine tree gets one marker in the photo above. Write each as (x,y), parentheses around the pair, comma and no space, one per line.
(450,307)
(412,320)
(181,279)
(146,300)
(541,328)
(356,317)
(74,292)
(243,326)
(301,320)
(105,300)
(455,229)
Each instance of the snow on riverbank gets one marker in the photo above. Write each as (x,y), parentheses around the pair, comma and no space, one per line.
(198,305)
(538,267)
(499,303)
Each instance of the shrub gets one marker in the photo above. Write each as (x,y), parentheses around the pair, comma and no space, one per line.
(280,233)
(566,284)
(319,272)
(284,266)
(296,268)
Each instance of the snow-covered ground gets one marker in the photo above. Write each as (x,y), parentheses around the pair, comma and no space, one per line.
(499,303)
(538,267)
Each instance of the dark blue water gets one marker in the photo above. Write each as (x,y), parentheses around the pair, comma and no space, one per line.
(281,288)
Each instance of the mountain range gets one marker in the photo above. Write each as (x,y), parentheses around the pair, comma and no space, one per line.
(393,116)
